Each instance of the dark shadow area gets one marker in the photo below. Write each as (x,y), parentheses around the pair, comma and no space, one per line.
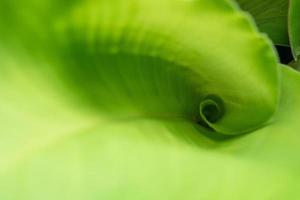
(285,54)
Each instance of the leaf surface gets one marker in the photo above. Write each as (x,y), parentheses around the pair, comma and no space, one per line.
(294,27)
(271,17)
(111,100)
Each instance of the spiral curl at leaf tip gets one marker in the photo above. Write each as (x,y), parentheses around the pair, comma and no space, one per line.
(193,55)
(243,81)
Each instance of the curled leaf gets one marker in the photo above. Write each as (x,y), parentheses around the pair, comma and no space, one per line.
(135,99)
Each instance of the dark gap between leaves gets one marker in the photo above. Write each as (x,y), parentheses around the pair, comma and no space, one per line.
(285,54)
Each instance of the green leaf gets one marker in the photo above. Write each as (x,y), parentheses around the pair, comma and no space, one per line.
(151,158)
(271,17)
(129,63)
(295,64)
(294,27)
(134,100)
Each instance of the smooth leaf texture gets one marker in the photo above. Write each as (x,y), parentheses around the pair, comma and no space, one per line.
(126,60)
(150,158)
(271,17)
(295,64)
(294,27)
(133,100)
